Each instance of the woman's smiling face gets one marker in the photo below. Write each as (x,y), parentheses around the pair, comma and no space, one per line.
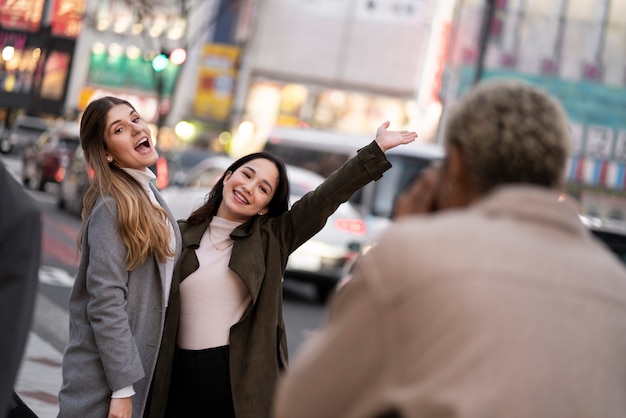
(129,139)
(248,190)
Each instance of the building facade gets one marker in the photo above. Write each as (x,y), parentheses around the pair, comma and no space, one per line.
(576,50)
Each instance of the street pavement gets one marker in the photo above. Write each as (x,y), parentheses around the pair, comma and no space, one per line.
(39,378)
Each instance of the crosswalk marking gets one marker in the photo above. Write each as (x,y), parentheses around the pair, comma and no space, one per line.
(55,276)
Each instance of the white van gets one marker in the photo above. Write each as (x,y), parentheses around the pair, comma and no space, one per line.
(324,152)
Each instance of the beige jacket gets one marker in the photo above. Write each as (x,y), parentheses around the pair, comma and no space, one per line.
(507,309)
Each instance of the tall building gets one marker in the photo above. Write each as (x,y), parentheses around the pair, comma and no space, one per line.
(575,49)
(343,66)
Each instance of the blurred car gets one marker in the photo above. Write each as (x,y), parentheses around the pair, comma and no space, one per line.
(46,160)
(74,185)
(179,162)
(23,133)
(611,232)
(321,259)
(184,196)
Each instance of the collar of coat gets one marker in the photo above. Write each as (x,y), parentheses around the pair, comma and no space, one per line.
(247,258)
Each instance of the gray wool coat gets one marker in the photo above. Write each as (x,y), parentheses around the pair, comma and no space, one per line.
(116,320)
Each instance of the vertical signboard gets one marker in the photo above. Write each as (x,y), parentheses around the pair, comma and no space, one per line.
(66,18)
(216,80)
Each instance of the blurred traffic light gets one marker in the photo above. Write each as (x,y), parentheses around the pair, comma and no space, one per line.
(177,56)
(159,63)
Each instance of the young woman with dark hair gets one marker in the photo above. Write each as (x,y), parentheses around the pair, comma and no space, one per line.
(225,343)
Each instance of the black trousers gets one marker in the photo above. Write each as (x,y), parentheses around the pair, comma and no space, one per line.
(200,385)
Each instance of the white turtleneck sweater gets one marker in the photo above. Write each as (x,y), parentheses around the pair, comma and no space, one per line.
(212,298)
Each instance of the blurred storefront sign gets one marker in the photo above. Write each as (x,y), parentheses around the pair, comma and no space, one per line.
(36,54)
(216,81)
(55,75)
(67,16)
(21,15)
(116,69)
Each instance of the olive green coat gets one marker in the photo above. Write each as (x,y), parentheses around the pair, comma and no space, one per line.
(258,343)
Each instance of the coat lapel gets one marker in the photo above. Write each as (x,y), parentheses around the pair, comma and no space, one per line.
(248,259)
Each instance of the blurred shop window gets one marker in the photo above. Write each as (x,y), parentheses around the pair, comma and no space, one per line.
(292,100)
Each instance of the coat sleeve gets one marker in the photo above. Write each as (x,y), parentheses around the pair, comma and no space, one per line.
(107,288)
(309,214)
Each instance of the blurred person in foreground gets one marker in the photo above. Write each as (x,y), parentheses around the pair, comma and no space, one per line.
(128,243)
(20,254)
(500,305)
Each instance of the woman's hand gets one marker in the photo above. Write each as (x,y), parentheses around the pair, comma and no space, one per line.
(389,139)
(121,408)
(421,195)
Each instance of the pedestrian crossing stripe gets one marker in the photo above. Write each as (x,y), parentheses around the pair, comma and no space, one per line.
(55,276)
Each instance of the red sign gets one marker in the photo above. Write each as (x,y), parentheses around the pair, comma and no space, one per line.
(66,17)
(21,14)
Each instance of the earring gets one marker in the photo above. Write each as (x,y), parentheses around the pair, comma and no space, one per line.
(261,213)
(109,159)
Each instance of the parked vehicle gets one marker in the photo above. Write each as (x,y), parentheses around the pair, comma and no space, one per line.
(46,160)
(321,259)
(611,232)
(23,133)
(74,185)
(179,162)
(324,152)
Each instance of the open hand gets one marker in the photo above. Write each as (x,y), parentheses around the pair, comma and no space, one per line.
(389,139)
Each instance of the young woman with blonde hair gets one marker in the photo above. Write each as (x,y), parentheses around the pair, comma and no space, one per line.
(128,244)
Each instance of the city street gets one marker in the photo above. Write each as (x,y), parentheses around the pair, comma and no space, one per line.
(40,374)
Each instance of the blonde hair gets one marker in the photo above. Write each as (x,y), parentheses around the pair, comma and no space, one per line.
(510,132)
(143,226)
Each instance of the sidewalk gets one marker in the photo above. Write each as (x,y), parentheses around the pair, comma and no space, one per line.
(39,379)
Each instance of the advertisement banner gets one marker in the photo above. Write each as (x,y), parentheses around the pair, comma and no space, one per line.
(216,81)
(66,18)
(22,15)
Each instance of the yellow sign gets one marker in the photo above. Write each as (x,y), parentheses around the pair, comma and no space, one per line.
(216,81)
